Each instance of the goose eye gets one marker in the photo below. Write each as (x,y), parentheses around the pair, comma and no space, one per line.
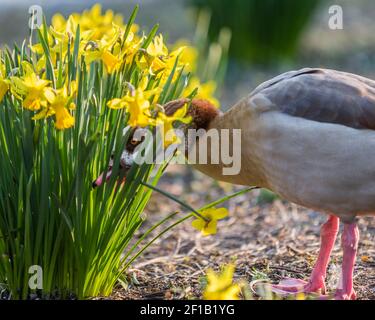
(134,142)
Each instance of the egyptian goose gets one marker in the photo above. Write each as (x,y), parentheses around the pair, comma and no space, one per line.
(309,136)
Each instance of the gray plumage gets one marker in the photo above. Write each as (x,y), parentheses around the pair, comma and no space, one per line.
(323,95)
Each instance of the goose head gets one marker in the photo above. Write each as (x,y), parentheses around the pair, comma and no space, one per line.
(201,111)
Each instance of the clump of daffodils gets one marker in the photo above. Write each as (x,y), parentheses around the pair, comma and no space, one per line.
(68,96)
(46,86)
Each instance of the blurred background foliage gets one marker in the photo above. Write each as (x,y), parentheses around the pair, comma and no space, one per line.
(265,30)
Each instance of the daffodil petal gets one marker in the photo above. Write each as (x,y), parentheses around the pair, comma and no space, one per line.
(231,293)
(221,213)
(3,89)
(210,228)
(198,224)
(115,104)
(64,119)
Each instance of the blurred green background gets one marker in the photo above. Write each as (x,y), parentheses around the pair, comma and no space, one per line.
(268,36)
(264,30)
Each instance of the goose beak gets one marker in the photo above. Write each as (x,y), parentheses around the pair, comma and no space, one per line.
(99,181)
(126,162)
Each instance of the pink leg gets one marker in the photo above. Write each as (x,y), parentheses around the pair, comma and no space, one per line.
(349,242)
(328,236)
(316,283)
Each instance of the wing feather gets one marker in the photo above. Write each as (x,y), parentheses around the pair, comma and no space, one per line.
(323,95)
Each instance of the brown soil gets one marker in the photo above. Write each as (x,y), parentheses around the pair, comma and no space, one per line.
(270,240)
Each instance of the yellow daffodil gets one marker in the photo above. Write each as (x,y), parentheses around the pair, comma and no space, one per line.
(155,56)
(189,55)
(205,90)
(58,22)
(170,61)
(63,38)
(100,23)
(136,104)
(102,39)
(58,47)
(101,49)
(66,31)
(220,286)
(161,66)
(111,62)
(99,36)
(4,83)
(157,47)
(4,86)
(59,103)
(130,47)
(300,296)
(212,215)
(93,20)
(168,133)
(30,88)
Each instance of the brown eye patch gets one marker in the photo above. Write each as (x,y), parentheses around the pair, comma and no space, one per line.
(133,143)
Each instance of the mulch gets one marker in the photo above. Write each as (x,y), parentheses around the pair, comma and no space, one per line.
(269,241)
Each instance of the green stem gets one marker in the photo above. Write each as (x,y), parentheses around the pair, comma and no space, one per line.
(168,195)
(148,232)
(210,205)
(153,240)
(233,195)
